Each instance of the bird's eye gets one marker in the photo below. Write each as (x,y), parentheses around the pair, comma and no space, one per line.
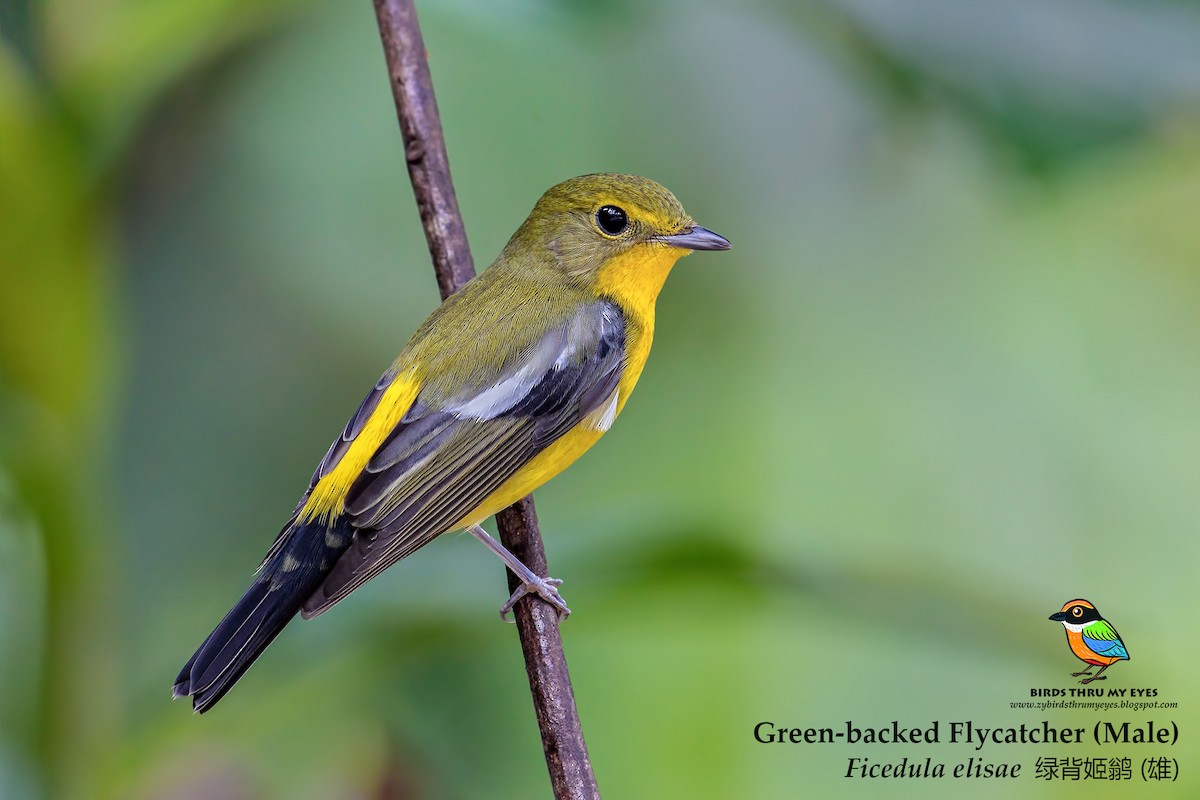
(612,220)
(1077,611)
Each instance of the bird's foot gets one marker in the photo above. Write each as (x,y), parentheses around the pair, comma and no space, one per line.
(545,588)
(1087,671)
(531,582)
(1094,678)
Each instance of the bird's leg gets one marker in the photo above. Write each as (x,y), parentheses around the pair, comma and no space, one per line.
(1082,672)
(531,583)
(1097,676)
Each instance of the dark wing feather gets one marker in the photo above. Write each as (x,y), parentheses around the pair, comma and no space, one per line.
(353,427)
(440,463)
(332,456)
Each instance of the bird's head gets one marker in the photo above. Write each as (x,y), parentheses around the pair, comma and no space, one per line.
(583,224)
(1076,612)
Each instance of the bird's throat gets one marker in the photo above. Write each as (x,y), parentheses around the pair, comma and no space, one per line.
(634,278)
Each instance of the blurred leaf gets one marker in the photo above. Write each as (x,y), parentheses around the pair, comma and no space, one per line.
(1056,80)
(112,59)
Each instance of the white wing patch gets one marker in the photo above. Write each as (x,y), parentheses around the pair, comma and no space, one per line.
(506,393)
(556,351)
(602,418)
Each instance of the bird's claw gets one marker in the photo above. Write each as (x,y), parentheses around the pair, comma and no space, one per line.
(545,588)
(1094,678)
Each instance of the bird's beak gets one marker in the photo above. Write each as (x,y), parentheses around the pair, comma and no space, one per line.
(697,238)
(1059,617)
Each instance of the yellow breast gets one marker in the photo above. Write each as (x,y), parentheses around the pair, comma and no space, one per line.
(633,281)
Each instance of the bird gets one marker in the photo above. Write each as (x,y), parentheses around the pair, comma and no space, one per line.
(1092,639)
(503,386)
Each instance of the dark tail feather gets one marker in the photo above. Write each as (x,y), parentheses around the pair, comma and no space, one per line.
(241,637)
(292,572)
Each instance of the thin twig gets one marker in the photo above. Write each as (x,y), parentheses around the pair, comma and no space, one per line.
(537,622)
(424,145)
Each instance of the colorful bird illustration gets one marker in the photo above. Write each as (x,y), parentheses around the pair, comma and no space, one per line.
(500,389)
(1092,638)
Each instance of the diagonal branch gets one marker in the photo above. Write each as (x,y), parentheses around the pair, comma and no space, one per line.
(429,169)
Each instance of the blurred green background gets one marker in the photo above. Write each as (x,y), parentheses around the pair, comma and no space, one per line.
(947,379)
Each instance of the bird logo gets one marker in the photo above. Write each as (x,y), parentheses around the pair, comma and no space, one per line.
(1092,639)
